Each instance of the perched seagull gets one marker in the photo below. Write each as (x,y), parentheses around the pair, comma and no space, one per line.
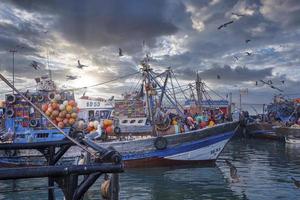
(237,14)
(247,41)
(120,52)
(69,77)
(35,65)
(296,182)
(236,58)
(80,66)
(233,171)
(248,53)
(224,25)
(218,76)
(111,98)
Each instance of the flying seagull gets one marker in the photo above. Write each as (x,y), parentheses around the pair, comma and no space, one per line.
(236,58)
(224,25)
(69,77)
(270,82)
(247,41)
(120,52)
(237,14)
(296,182)
(248,53)
(80,66)
(35,65)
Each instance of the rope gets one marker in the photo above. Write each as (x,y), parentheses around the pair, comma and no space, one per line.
(214,92)
(179,85)
(105,82)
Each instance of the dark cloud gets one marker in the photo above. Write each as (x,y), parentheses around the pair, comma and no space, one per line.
(112,22)
(182,34)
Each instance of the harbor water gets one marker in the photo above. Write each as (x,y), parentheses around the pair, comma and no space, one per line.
(264,168)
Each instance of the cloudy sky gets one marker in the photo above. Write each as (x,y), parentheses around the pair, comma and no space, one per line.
(181,34)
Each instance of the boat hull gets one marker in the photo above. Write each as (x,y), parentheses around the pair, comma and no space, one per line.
(196,147)
(291,135)
(262,130)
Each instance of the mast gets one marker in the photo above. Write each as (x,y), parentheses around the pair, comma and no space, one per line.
(199,90)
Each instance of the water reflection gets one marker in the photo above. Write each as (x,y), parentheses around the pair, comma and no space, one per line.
(265,169)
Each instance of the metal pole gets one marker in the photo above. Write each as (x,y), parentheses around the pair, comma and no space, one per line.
(241,102)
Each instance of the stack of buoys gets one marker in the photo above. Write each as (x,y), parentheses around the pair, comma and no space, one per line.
(63,114)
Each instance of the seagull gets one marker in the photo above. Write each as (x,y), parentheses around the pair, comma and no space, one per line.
(233,171)
(111,98)
(296,182)
(35,65)
(224,25)
(282,81)
(247,41)
(80,66)
(237,14)
(218,76)
(248,53)
(236,58)
(256,83)
(120,52)
(270,82)
(69,77)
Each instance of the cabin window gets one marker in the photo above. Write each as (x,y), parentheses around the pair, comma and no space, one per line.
(132,121)
(124,121)
(140,121)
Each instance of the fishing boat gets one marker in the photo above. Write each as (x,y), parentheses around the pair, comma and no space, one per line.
(291,134)
(156,140)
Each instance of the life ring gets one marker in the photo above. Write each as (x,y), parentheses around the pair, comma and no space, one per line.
(40,98)
(10,98)
(51,96)
(160,143)
(9,112)
(33,123)
(117,130)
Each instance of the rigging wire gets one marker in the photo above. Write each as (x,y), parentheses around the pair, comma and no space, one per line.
(103,83)
(214,92)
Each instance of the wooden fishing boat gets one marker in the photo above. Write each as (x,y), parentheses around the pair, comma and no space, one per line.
(160,144)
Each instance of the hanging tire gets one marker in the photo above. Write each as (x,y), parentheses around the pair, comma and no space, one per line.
(40,98)
(10,98)
(117,130)
(9,112)
(33,123)
(51,96)
(160,143)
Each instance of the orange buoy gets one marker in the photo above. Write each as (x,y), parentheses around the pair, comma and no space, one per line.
(71,103)
(109,130)
(69,108)
(44,107)
(71,121)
